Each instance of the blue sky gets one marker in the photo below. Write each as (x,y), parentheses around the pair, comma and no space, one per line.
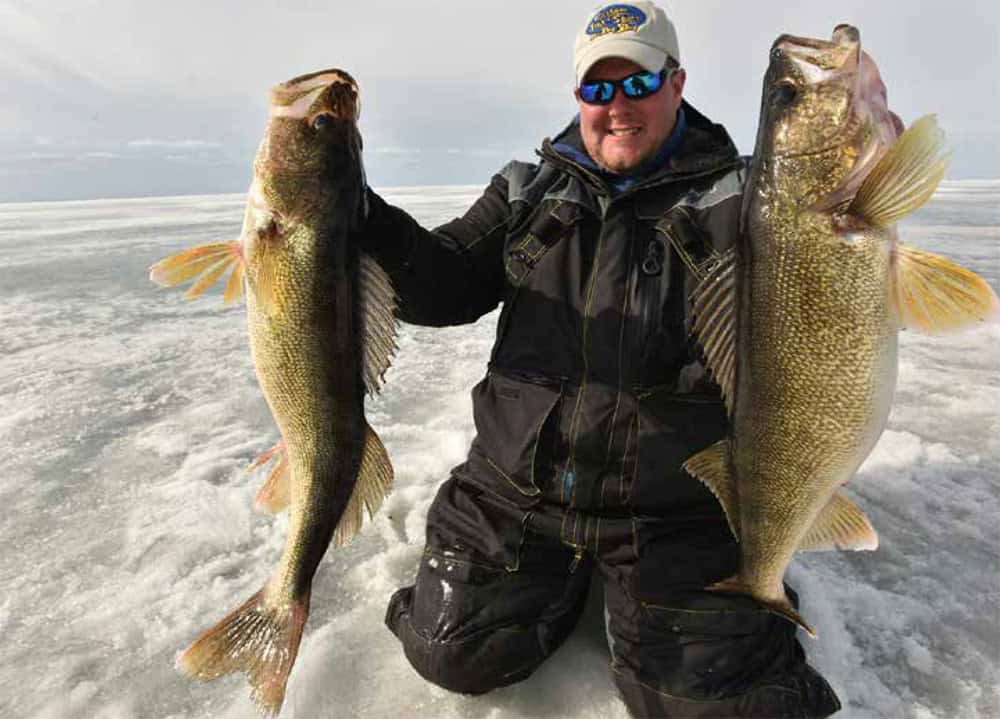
(113,98)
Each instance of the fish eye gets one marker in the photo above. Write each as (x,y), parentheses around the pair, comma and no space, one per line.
(784,93)
(322,121)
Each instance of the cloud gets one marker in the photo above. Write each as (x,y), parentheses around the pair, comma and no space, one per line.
(390,150)
(174,144)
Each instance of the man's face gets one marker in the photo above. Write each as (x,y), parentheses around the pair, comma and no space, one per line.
(621,135)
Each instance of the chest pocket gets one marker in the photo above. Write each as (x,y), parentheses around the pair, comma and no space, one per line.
(545,227)
(689,243)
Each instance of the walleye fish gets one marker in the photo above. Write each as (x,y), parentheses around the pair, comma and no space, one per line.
(799,320)
(321,320)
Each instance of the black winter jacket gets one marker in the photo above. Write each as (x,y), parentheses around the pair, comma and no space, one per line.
(595,393)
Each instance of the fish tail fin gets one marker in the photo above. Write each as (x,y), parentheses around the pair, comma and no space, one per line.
(373,484)
(259,640)
(782,607)
(206,262)
(276,494)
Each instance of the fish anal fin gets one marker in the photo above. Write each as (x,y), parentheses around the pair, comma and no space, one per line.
(378,320)
(257,639)
(711,466)
(840,525)
(932,294)
(714,307)
(207,263)
(782,607)
(276,493)
(905,177)
(371,487)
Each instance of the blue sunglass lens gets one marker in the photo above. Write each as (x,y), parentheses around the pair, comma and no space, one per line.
(641,84)
(597,93)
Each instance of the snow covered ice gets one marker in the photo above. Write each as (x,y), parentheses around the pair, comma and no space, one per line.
(129,415)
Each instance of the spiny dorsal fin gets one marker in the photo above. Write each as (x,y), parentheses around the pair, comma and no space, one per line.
(378,321)
(933,294)
(372,485)
(711,466)
(840,525)
(714,303)
(905,178)
(209,262)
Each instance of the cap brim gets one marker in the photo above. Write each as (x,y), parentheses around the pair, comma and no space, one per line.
(646,56)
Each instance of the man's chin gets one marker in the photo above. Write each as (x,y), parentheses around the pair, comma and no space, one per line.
(622,162)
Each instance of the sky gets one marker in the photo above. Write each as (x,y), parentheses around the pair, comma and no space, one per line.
(114,98)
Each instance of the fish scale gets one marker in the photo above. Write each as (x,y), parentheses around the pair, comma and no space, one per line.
(822,287)
(321,326)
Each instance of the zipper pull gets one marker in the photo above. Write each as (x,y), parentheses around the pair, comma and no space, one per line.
(576,560)
(652,265)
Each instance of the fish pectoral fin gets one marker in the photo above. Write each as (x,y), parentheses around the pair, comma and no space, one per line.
(714,307)
(371,487)
(378,321)
(932,294)
(259,640)
(782,607)
(711,466)
(905,177)
(840,525)
(276,493)
(209,262)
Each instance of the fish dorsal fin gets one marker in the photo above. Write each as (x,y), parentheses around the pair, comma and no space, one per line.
(373,484)
(714,302)
(378,321)
(711,466)
(840,525)
(932,294)
(206,262)
(905,177)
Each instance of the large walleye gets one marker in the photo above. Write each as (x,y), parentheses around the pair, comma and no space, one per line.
(320,315)
(799,320)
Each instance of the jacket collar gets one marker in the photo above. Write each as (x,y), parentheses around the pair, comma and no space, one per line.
(696,146)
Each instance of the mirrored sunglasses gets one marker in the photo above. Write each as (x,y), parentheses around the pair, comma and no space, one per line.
(636,86)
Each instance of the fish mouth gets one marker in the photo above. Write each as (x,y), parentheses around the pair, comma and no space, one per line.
(332,93)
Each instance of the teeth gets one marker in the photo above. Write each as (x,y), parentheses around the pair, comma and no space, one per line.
(626,131)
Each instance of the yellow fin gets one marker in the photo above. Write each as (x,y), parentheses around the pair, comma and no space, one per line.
(905,177)
(932,294)
(256,639)
(711,466)
(234,288)
(264,283)
(209,261)
(276,494)
(840,525)
(373,484)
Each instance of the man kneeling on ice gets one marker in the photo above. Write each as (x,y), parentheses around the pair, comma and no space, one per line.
(594,398)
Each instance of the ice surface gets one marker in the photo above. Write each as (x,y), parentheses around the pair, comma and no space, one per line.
(128,417)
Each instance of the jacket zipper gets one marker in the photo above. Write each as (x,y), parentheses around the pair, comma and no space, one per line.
(650,270)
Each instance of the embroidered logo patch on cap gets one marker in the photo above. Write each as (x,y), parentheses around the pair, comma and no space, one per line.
(614,19)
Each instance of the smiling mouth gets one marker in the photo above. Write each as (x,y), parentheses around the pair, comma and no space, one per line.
(624,131)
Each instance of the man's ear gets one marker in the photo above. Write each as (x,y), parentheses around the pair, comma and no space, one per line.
(677,79)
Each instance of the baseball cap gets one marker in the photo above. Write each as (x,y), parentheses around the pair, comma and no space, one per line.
(638,31)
